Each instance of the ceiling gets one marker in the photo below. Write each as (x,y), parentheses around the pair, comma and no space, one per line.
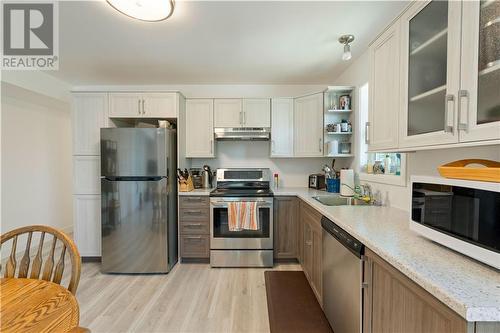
(208,42)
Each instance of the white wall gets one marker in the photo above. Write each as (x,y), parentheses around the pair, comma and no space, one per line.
(36,159)
(293,172)
(418,163)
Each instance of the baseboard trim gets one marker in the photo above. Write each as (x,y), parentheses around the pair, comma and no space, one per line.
(91,259)
(195,260)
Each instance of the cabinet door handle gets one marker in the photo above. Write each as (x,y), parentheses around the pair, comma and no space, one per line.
(272,146)
(244,117)
(463,110)
(192,225)
(320,144)
(450,99)
(139,106)
(241,118)
(143,110)
(367,133)
(211,146)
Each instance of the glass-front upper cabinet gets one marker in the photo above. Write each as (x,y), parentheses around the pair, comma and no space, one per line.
(479,96)
(430,72)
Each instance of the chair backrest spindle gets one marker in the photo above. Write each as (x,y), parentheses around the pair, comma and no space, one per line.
(24,265)
(49,263)
(10,267)
(37,262)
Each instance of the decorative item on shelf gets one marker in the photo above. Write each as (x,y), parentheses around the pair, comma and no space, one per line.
(378,168)
(344,147)
(488,172)
(332,147)
(387,164)
(345,102)
(344,126)
(330,128)
(398,164)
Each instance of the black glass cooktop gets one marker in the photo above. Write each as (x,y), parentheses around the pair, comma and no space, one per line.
(242,192)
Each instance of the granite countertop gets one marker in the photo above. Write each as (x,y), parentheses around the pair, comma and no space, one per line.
(469,288)
(197,191)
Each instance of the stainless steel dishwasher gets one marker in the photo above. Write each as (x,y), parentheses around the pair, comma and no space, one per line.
(342,278)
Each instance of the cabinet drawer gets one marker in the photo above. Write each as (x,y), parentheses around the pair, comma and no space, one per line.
(194,214)
(195,246)
(194,228)
(194,201)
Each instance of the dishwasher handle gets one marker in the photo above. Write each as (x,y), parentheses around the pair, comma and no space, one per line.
(348,241)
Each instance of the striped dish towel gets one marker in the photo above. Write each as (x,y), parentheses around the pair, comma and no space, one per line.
(243,216)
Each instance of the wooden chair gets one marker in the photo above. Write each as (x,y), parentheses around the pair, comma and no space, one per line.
(50,272)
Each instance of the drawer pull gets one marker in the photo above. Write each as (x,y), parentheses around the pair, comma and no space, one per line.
(197,238)
(195,199)
(192,212)
(192,224)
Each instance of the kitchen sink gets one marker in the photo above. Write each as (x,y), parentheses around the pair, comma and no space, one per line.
(332,200)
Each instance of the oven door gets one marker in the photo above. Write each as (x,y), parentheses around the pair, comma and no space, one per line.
(220,236)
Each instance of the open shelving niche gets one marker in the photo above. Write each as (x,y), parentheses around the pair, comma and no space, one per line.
(333,114)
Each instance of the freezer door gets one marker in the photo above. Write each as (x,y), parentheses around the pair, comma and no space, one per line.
(135,152)
(135,226)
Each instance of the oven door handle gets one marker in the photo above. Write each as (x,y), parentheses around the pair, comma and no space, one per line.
(223,204)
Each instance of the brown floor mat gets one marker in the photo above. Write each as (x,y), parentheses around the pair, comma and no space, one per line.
(292,305)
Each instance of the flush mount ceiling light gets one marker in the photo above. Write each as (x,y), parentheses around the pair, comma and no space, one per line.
(346,39)
(144,10)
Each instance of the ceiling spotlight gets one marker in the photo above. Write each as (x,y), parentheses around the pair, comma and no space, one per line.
(144,10)
(346,39)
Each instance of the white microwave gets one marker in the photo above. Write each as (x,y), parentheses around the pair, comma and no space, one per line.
(460,214)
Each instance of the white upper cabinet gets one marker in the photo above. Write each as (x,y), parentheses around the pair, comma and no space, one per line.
(143,105)
(160,105)
(430,53)
(308,126)
(282,127)
(90,114)
(479,96)
(257,112)
(228,112)
(125,105)
(382,128)
(199,134)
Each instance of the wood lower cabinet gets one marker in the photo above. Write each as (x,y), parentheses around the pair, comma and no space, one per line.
(311,248)
(285,227)
(194,227)
(394,303)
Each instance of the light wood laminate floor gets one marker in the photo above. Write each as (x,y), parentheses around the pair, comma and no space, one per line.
(191,298)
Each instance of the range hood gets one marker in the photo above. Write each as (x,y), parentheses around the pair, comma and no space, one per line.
(242,133)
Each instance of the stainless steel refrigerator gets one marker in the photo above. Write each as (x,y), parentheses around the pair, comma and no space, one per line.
(138,200)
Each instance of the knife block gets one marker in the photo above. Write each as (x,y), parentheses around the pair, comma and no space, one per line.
(186,185)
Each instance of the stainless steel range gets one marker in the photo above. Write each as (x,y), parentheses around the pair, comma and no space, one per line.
(245,247)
